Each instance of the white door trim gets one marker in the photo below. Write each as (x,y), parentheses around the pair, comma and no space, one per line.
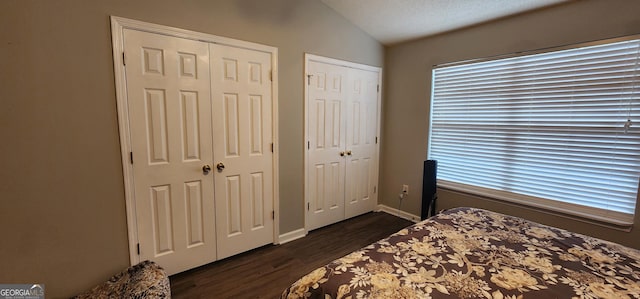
(317,58)
(118,24)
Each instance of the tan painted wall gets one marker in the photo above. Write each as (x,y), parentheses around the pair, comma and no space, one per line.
(62,208)
(408,87)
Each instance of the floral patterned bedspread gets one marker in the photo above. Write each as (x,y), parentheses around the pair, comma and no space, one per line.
(473,253)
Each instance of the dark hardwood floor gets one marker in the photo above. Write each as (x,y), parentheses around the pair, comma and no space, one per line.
(266,271)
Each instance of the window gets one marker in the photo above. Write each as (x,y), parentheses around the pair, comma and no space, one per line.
(558,130)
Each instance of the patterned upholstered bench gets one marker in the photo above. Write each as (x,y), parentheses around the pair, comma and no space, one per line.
(144,280)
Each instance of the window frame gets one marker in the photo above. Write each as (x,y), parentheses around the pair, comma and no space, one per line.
(569,210)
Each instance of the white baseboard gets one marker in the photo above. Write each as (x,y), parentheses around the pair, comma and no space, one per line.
(399,213)
(301,233)
(292,235)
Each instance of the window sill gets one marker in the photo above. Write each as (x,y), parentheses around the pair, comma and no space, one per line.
(566,210)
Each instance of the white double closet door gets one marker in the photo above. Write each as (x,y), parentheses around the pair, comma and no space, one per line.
(200,118)
(342,125)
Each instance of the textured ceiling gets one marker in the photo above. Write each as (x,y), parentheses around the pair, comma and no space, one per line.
(394,21)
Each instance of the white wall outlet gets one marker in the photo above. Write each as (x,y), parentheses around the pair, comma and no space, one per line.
(405,189)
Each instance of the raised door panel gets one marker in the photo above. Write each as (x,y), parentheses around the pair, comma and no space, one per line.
(168,98)
(242,118)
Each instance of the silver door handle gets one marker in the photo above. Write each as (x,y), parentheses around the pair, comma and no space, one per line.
(220,166)
(206,169)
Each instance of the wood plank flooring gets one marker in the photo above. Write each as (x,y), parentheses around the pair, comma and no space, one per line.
(265,272)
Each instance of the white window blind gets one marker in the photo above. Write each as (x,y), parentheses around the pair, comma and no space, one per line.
(546,130)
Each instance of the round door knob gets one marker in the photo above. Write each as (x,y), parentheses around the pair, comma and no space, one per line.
(220,166)
(349,153)
(341,154)
(206,169)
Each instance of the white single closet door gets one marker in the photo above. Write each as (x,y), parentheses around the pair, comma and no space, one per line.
(168,97)
(243,136)
(361,148)
(326,157)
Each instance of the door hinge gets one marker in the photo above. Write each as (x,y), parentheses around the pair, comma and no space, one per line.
(124,62)
(376,139)
(309,79)
(308,206)
(271,75)
(272,147)
(308,144)
(273,215)
(378,88)
(138,246)
(131,157)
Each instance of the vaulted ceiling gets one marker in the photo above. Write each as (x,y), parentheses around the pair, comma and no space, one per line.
(395,21)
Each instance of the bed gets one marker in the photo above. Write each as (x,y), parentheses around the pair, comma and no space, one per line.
(474,253)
